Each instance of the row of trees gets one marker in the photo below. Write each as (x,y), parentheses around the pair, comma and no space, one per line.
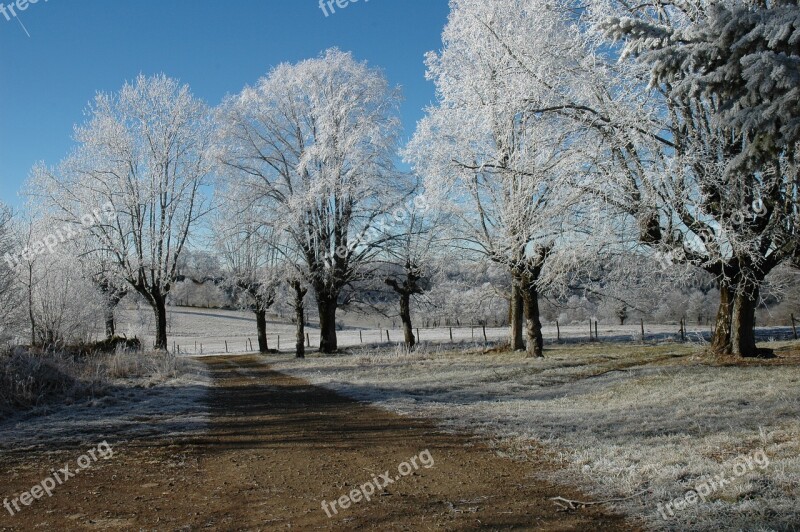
(572,144)
(303,169)
(666,126)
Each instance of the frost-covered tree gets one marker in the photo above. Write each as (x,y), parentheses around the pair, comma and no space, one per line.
(67,305)
(510,177)
(251,260)
(62,304)
(744,55)
(663,159)
(722,182)
(411,255)
(10,290)
(147,152)
(98,267)
(464,292)
(312,147)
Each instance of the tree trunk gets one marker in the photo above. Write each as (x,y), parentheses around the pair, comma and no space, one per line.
(159,303)
(516,318)
(327,324)
(743,338)
(31,315)
(533,325)
(734,334)
(405,316)
(299,311)
(110,322)
(721,342)
(261,324)
(113,297)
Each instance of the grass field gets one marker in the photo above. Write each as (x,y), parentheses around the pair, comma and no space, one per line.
(641,423)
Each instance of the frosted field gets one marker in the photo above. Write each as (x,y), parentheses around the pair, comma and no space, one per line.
(209,329)
(620,419)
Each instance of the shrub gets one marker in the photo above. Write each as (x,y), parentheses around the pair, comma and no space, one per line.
(35,378)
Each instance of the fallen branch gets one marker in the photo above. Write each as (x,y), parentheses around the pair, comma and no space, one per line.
(567,505)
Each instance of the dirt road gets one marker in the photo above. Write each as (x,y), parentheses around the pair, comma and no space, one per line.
(276,449)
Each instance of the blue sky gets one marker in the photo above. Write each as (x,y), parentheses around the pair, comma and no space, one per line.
(79,47)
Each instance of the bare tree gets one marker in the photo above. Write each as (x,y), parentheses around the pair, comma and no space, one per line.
(146,152)
(10,290)
(312,146)
(251,258)
(508,176)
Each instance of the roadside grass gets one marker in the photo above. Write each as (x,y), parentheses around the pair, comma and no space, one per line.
(620,419)
(34,380)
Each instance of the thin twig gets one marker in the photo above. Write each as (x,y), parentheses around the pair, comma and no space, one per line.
(566,505)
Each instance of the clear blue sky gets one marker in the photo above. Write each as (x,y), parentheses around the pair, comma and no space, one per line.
(79,47)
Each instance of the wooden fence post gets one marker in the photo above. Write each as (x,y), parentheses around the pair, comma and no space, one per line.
(558,332)
(451,334)
(226,346)
(642,322)
(596,335)
(360,336)
(387,336)
(308,340)
(484,333)
(794,328)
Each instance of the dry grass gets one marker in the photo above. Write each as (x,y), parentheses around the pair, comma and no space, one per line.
(619,418)
(30,379)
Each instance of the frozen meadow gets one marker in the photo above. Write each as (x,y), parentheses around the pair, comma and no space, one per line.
(620,419)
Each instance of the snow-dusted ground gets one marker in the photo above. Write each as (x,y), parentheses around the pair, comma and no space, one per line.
(621,419)
(129,409)
(206,331)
